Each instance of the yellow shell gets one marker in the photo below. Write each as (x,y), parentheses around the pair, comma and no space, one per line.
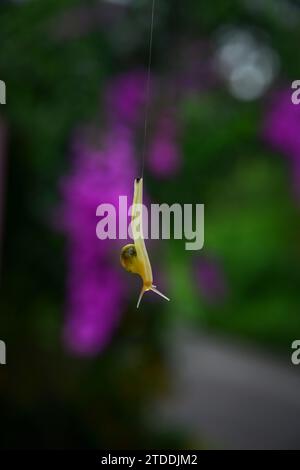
(128,258)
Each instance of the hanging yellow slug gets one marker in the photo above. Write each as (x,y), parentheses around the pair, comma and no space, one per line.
(134,257)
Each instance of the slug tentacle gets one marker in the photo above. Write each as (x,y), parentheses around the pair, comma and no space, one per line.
(153,288)
(140,297)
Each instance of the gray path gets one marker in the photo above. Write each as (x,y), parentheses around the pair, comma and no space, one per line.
(233,397)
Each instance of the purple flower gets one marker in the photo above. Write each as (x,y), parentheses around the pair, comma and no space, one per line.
(164,158)
(282,131)
(95,289)
(195,67)
(125,98)
(211,280)
(96,292)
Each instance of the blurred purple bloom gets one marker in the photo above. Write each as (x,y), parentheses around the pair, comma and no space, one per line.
(282,131)
(211,280)
(195,66)
(164,159)
(125,98)
(95,288)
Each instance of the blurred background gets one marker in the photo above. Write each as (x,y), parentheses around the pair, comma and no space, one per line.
(212,368)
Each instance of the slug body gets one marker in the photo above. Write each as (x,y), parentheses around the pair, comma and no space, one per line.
(134,257)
